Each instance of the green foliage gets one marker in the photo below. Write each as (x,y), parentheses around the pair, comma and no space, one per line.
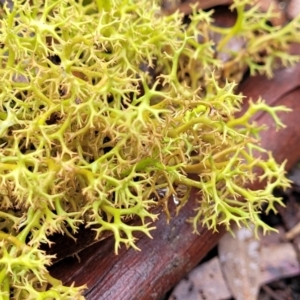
(106,104)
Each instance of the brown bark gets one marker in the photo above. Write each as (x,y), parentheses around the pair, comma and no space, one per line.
(147,274)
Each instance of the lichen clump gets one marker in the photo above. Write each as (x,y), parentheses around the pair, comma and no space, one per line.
(106,107)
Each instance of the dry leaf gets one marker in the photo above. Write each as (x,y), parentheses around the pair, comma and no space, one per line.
(278,261)
(204,282)
(248,263)
(240,262)
(293,9)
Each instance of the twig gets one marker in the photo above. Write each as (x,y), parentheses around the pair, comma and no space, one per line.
(291,234)
(272,293)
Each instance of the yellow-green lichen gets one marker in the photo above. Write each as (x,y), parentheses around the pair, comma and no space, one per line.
(105,104)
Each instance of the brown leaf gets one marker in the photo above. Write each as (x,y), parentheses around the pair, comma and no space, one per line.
(240,262)
(204,282)
(278,261)
(275,260)
(278,258)
(293,9)
(249,263)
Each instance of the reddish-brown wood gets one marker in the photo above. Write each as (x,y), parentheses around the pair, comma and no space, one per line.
(282,89)
(148,274)
(174,249)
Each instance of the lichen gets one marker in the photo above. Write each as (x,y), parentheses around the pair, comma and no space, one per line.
(105,104)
